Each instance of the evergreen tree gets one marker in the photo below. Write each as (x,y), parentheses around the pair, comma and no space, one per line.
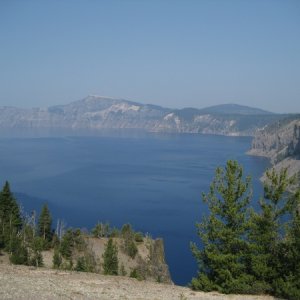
(287,284)
(71,240)
(10,216)
(57,260)
(130,247)
(19,253)
(267,234)
(110,257)
(44,226)
(86,263)
(36,257)
(128,235)
(67,244)
(126,230)
(222,260)
(101,230)
(80,265)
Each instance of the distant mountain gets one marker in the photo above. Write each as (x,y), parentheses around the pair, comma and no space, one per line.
(95,112)
(234,109)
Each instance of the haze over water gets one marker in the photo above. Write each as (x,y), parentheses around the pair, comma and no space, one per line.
(153,181)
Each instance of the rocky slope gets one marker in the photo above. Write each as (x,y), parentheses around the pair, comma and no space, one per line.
(96,113)
(149,262)
(20,282)
(280,142)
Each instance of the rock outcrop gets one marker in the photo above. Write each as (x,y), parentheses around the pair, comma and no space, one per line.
(148,264)
(154,265)
(280,142)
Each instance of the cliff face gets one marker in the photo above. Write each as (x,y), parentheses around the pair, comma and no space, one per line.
(154,265)
(96,112)
(280,142)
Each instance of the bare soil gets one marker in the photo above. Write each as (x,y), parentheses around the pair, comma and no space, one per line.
(21,282)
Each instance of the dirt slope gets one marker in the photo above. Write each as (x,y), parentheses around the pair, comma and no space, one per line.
(21,282)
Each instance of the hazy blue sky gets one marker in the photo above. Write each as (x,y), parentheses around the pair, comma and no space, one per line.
(173,53)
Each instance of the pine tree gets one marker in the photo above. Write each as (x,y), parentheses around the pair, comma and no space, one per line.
(44,226)
(67,244)
(222,261)
(287,285)
(36,257)
(19,253)
(101,230)
(110,257)
(10,216)
(126,230)
(57,260)
(80,265)
(267,236)
(128,235)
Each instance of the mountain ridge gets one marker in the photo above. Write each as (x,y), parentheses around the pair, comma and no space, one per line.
(232,108)
(226,108)
(98,112)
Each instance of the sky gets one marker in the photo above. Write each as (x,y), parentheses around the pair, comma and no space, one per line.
(189,53)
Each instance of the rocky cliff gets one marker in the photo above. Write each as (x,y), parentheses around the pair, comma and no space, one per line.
(96,113)
(280,142)
(148,263)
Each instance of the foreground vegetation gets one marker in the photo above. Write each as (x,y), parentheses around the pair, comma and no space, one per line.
(24,237)
(243,251)
(246,251)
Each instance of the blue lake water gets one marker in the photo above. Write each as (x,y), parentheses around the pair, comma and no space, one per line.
(153,181)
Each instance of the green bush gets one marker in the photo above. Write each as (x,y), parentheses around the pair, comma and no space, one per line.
(57,260)
(19,254)
(130,248)
(138,237)
(135,274)
(36,258)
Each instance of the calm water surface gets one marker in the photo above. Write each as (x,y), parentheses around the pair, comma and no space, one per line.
(152,181)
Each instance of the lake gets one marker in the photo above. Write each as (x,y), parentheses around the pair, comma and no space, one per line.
(153,181)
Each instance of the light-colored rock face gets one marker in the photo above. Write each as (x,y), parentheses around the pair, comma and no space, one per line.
(96,112)
(280,142)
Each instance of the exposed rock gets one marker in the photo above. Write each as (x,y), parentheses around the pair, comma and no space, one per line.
(280,142)
(94,113)
(154,266)
(149,262)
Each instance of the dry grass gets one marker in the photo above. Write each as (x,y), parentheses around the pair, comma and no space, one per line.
(21,282)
